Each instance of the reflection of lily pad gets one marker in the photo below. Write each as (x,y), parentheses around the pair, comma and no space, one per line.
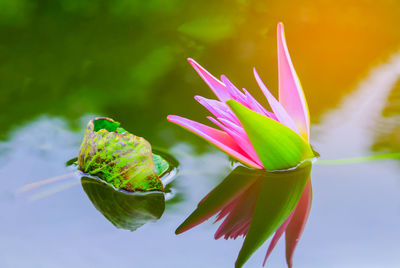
(119,157)
(125,210)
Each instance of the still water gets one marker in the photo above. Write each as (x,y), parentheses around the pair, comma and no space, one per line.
(65,62)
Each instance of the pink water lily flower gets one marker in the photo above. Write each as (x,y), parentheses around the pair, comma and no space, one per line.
(291,110)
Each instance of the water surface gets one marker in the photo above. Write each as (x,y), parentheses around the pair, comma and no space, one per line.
(64,62)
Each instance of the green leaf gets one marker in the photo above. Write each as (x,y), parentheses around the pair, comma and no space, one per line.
(277,146)
(160,164)
(280,192)
(118,157)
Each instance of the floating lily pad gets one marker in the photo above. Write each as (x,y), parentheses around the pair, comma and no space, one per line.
(160,164)
(119,157)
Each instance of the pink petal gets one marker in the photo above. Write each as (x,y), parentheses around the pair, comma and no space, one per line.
(298,222)
(278,109)
(217,108)
(219,138)
(234,91)
(291,95)
(215,121)
(216,86)
(241,140)
(233,126)
(257,107)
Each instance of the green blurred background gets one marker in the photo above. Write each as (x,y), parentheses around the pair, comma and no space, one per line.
(126,59)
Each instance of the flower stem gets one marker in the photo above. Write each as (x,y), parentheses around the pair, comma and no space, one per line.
(356,160)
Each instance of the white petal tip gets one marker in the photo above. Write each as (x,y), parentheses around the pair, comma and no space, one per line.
(255,73)
(171,117)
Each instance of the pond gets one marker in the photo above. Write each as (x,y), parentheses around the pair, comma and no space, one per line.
(63,63)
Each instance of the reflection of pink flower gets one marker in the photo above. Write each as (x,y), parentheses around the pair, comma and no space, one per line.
(250,203)
(291,110)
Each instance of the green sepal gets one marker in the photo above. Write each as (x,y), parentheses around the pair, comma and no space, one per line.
(277,146)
